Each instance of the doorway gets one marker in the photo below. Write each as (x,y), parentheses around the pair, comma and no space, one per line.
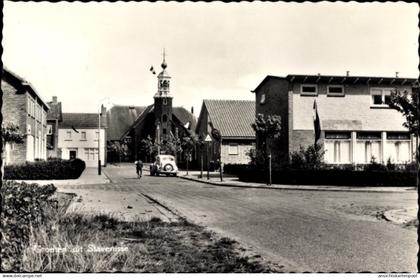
(73,154)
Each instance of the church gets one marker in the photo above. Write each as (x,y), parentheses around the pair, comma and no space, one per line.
(160,122)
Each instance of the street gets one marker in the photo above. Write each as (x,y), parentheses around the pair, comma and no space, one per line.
(302,230)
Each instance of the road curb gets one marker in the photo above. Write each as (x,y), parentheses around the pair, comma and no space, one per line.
(290,187)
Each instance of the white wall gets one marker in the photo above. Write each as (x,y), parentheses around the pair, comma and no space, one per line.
(86,149)
(351,112)
(240,158)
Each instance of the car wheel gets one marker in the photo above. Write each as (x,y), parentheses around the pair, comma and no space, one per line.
(168,167)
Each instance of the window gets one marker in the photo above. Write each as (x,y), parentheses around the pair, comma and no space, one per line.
(164,118)
(337,147)
(335,90)
(398,147)
(68,135)
(96,135)
(308,90)
(164,131)
(380,97)
(368,147)
(91,154)
(165,101)
(49,130)
(233,149)
(83,136)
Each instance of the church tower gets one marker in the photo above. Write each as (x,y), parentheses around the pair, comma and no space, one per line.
(163,103)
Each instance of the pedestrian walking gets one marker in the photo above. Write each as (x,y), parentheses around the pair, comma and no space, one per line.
(139,168)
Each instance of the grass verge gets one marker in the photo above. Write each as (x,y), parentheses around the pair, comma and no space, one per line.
(80,243)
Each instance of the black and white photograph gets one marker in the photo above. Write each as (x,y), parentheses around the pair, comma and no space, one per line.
(209,137)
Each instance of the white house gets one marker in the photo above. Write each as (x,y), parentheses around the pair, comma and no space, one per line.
(79,137)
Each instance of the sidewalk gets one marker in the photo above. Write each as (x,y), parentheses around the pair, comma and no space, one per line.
(401,216)
(89,176)
(233,181)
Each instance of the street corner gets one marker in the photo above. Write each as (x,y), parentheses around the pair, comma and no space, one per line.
(406,216)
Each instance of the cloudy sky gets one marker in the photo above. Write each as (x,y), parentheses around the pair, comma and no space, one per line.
(86,52)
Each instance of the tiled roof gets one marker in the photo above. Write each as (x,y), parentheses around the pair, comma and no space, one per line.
(184,116)
(180,113)
(120,118)
(55,112)
(233,118)
(80,120)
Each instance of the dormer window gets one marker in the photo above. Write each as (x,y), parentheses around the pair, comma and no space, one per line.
(308,90)
(335,90)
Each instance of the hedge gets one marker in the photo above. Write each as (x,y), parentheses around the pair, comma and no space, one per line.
(343,177)
(45,170)
(24,206)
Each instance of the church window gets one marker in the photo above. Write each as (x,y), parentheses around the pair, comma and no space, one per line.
(164,118)
(164,131)
(165,101)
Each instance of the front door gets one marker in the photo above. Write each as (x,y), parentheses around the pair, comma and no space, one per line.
(73,154)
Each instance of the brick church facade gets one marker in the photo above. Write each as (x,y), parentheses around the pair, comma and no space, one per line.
(160,121)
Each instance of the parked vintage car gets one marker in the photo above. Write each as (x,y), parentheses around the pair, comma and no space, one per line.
(164,164)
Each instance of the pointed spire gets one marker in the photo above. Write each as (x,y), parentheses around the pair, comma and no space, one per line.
(164,65)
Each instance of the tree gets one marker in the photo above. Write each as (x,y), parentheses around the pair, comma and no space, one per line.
(267,128)
(10,133)
(188,145)
(408,105)
(115,151)
(146,147)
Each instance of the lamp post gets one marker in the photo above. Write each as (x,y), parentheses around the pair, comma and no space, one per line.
(99,141)
(108,104)
(208,140)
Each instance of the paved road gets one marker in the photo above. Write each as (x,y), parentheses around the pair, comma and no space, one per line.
(303,230)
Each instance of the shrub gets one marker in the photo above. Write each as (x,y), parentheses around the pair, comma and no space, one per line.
(309,158)
(46,170)
(24,207)
(333,176)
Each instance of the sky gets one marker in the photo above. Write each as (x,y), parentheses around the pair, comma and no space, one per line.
(89,54)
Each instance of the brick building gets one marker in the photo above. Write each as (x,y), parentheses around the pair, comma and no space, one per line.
(356,122)
(233,118)
(24,107)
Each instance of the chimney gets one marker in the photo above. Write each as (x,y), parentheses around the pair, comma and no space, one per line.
(54,99)
(347,73)
(396,74)
(192,110)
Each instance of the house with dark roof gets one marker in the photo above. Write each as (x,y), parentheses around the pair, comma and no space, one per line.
(24,107)
(161,122)
(54,118)
(233,119)
(83,135)
(357,125)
